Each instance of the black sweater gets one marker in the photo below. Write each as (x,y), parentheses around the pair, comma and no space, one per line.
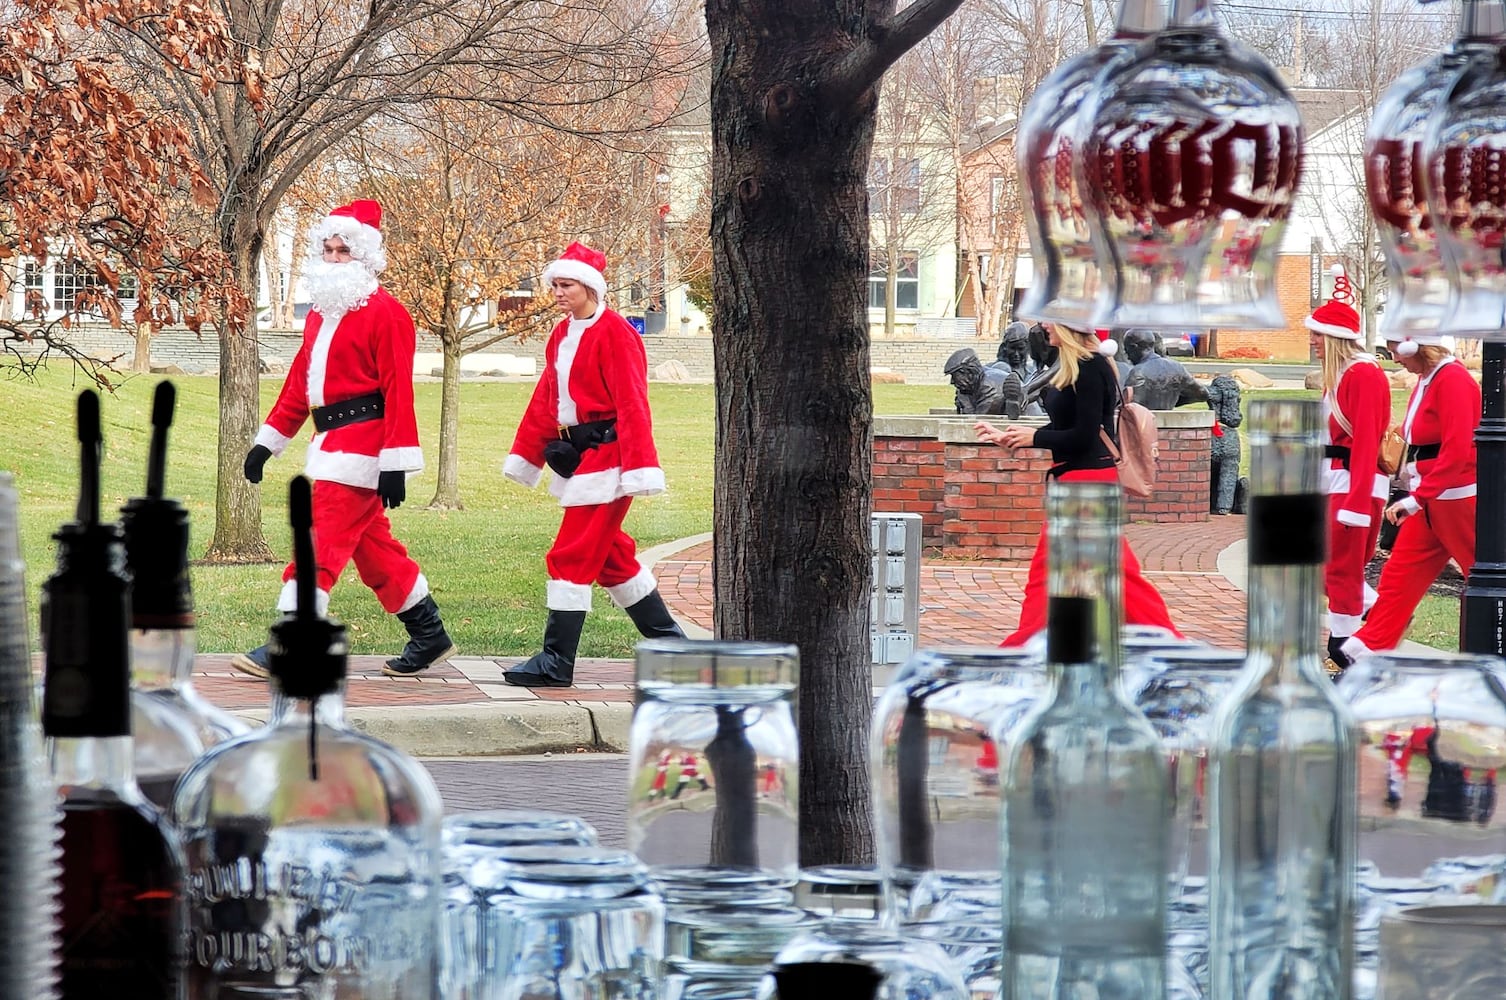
(1077,413)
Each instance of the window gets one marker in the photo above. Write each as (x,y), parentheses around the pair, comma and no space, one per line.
(907,281)
(68,280)
(897,190)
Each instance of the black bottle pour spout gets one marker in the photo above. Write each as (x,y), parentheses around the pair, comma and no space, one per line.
(156,536)
(307,652)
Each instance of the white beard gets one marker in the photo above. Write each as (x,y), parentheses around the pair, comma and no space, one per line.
(338,288)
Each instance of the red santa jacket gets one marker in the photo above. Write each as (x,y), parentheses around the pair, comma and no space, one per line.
(1364,397)
(364,351)
(594,369)
(1444,410)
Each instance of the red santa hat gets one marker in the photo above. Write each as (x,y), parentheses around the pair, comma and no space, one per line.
(1107,345)
(359,225)
(583,264)
(1336,317)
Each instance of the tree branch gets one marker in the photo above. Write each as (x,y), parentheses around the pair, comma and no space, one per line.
(853,74)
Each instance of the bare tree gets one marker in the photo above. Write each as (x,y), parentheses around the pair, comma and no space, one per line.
(322,68)
(794,96)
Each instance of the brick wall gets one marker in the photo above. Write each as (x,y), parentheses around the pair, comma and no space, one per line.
(981,502)
(1295,294)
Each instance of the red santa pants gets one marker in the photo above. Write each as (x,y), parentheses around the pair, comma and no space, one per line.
(350,524)
(1443,529)
(591,547)
(1143,604)
(1349,549)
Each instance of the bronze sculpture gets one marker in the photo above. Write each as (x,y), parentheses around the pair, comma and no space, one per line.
(1158,383)
(978,389)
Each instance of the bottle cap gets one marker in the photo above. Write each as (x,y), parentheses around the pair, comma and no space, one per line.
(156,537)
(307,652)
(86,611)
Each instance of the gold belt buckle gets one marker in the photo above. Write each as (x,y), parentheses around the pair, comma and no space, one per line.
(562,431)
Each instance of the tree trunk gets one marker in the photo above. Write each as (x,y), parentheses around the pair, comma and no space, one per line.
(447,494)
(141,360)
(237,504)
(790,242)
(891,288)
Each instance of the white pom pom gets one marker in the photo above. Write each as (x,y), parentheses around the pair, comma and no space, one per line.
(1108,348)
(1336,271)
(1407,348)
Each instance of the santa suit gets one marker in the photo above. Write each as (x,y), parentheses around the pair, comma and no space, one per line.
(1356,488)
(367,350)
(1443,412)
(594,369)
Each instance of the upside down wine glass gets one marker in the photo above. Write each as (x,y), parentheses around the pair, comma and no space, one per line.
(1395,174)
(1188,159)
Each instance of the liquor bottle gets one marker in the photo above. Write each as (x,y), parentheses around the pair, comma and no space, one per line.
(122,869)
(1086,797)
(28,851)
(313,849)
(173,724)
(1282,802)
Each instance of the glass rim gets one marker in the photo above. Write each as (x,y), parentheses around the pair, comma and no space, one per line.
(731,649)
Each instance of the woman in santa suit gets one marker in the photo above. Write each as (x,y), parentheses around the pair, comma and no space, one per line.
(1437,517)
(1357,402)
(588,420)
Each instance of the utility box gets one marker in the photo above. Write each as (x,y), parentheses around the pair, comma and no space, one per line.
(894,604)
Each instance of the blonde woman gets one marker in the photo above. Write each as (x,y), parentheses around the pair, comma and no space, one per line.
(1080,400)
(1357,402)
(1437,517)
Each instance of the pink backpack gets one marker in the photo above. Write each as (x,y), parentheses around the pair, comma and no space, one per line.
(1139,447)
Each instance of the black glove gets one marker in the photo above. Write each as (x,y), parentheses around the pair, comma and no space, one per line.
(392,487)
(255,459)
(561,456)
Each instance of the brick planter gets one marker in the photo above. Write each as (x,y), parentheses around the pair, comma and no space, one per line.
(978,501)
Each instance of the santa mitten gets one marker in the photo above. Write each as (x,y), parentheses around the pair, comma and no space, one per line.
(562,457)
(256,458)
(392,487)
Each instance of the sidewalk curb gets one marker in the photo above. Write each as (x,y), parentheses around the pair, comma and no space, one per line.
(502,729)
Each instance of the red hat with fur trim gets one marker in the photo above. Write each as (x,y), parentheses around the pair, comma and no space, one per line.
(1336,317)
(359,225)
(583,264)
(1107,345)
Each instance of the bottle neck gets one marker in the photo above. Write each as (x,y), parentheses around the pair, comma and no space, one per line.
(329,710)
(1483,21)
(1285,621)
(95,762)
(1139,18)
(1083,578)
(162,659)
(1192,14)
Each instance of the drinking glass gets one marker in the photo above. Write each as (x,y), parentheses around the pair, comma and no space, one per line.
(1189,157)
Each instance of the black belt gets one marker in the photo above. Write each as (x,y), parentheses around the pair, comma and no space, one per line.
(1338,451)
(356,410)
(590,434)
(1422,452)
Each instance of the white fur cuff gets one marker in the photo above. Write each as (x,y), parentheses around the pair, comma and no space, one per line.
(520,470)
(288,599)
(625,595)
(562,595)
(271,440)
(1354,519)
(643,482)
(401,460)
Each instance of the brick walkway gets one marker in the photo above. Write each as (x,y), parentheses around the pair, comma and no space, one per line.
(962,603)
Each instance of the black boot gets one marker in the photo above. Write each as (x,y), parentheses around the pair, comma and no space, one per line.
(653,618)
(257,663)
(554,666)
(1337,657)
(428,642)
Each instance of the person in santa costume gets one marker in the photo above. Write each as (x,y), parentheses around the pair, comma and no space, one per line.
(353,375)
(1357,404)
(1437,517)
(588,421)
(1080,400)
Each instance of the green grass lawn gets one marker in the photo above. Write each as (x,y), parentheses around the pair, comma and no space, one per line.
(485,563)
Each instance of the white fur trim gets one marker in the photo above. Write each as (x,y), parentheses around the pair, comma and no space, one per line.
(419,592)
(520,470)
(401,459)
(1371,596)
(579,271)
(365,242)
(1409,504)
(1108,348)
(319,357)
(341,466)
(1354,519)
(585,489)
(643,482)
(1355,649)
(1458,492)
(626,594)
(287,600)
(562,595)
(1329,330)
(268,438)
(1343,625)
(1336,270)
(1407,348)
